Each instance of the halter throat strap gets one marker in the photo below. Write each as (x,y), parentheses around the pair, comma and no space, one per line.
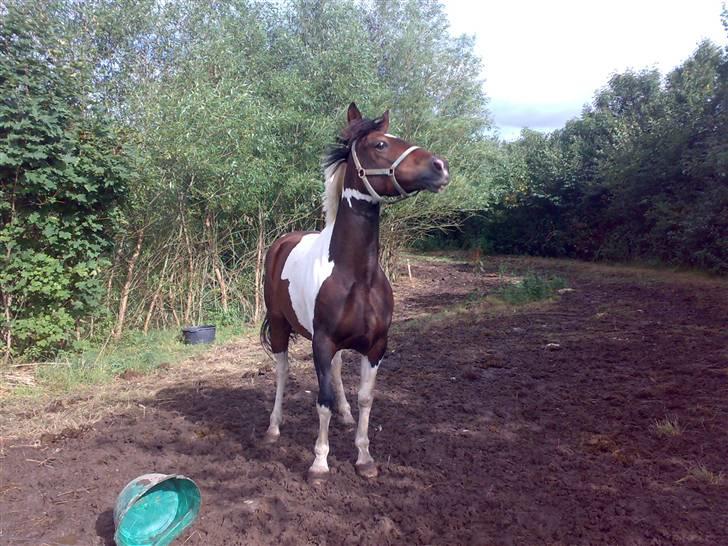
(362,173)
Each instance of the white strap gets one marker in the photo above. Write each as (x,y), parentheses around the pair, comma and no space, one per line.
(362,173)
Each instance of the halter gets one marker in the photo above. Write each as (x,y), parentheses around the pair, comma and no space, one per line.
(362,173)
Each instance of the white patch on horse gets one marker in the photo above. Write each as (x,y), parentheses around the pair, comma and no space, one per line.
(306,269)
(276,416)
(320,464)
(351,193)
(366,397)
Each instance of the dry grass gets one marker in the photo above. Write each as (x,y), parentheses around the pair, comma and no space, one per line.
(25,419)
(669,426)
(700,473)
(18,376)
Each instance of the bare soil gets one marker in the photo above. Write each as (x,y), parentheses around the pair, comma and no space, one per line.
(598,417)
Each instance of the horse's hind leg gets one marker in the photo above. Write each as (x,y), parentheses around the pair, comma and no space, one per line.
(280,332)
(344,409)
(365,465)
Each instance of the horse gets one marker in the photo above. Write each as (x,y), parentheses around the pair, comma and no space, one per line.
(329,287)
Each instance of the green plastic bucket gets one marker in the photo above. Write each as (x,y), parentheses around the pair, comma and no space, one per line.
(154,509)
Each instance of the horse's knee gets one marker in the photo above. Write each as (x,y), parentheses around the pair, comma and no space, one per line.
(365,398)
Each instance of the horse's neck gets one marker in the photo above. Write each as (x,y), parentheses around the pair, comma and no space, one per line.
(355,239)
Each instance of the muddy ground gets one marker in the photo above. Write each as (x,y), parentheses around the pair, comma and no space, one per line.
(484,433)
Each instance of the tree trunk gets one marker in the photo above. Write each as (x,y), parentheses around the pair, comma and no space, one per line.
(223,286)
(211,226)
(259,265)
(156,295)
(7,304)
(118,329)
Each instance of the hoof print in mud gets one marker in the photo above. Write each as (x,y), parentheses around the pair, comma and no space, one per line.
(367,470)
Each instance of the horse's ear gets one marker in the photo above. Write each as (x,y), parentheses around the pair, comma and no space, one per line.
(383,122)
(353,113)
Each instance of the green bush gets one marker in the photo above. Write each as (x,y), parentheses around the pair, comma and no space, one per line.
(532,287)
(640,175)
(62,175)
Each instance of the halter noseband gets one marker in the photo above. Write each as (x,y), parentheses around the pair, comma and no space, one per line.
(362,173)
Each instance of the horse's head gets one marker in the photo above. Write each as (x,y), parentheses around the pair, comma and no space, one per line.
(388,165)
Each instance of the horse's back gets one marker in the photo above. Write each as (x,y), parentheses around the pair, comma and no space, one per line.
(278,252)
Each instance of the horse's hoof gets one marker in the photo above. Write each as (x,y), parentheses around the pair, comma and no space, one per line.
(317,478)
(367,470)
(270,438)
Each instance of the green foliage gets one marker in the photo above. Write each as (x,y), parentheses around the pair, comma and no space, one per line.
(641,175)
(233,106)
(220,114)
(92,364)
(62,176)
(532,287)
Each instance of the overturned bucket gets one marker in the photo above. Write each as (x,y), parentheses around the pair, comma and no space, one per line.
(154,509)
(193,335)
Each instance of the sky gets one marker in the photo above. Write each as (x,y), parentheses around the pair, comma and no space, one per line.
(544,59)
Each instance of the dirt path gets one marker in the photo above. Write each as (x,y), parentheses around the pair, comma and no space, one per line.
(483,434)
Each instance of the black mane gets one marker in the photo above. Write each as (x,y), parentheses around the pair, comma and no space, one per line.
(354,131)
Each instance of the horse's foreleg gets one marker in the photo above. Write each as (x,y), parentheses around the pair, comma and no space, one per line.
(365,465)
(344,409)
(323,354)
(276,416)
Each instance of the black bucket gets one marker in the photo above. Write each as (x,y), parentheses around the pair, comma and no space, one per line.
(193,335)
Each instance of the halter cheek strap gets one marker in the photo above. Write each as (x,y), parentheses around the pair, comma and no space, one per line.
(363,173)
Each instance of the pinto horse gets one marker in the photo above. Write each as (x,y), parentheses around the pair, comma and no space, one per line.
(329,286)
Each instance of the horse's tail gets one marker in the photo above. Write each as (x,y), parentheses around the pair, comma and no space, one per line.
(265,336)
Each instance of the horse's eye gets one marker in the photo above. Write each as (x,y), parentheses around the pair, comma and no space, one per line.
(380,145)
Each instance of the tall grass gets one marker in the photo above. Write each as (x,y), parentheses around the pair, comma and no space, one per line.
(532,287)
(135,353)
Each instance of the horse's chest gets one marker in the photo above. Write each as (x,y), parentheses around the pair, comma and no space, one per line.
(367,310)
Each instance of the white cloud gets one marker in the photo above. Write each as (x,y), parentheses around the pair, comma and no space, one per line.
(544,59)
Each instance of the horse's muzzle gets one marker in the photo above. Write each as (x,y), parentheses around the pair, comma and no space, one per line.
(441,178)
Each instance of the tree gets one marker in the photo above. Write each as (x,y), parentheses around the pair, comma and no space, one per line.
(61,176)
(640,175)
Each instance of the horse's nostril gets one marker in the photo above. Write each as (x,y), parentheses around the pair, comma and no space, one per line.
(438,165)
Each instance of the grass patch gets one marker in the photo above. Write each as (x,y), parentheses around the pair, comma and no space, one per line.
(532,287)
(669,426)
(700,473)
(444,257)
(135,354)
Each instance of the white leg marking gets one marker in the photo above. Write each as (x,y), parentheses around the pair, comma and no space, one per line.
(366,397)
(320,465)
(276,416)
(342,405)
